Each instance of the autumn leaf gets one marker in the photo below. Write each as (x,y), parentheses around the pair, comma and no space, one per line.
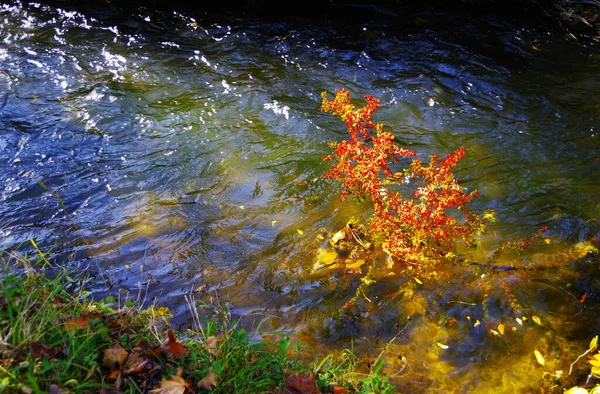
(537,320)
(114,357)
(302,384)
(539,358)
(211,344)
(339,390)
(138,363)
(80,323)
(175,385)
(209,381)
(594,343)
(39,350)
(173,350)
(501,328)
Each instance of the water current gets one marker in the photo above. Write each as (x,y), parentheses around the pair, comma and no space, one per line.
(176,153)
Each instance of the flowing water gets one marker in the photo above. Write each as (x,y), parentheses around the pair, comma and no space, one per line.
(179,153)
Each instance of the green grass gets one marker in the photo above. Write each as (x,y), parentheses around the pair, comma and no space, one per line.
(52,339)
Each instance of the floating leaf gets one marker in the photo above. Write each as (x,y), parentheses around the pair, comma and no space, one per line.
(300,231)
(595,361)
(441,345)
(519,321)
(209,381)
(418,281)
(583,297)
(547,240)
(494,332)
(476,323)
(335,238)
(537,320)
(594,343)
(539,358)
(501,328)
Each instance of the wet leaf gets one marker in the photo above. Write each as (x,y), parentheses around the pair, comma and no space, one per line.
(209,381)
(519,321)
(300,231)
(418,281)
(476,323)
(594,343)
(537,320)
(583,297)
(595,361)
(335,238)
(173,350)
(539,358)
(501,328)
(441,345)
(576,390)
(115,356)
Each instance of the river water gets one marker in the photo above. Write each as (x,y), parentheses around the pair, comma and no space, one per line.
(180,153)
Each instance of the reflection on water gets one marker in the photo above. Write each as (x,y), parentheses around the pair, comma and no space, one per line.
(175,152)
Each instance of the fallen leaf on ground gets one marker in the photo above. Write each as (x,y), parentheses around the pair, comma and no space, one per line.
(339,390)
(173,350)
(80,323)
(175,385)
(209,381)
(501,328)
(302,384)
(211,344)
(114,357)
(39,350)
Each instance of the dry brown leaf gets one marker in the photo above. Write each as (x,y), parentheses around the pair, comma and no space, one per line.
(80,323)
(175,385)
(114,374)
(211,344)
(209,381)
(39,350)
(302,384)
(114,357)
(138,363)
(173,350)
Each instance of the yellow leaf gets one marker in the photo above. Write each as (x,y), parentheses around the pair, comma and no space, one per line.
(519,321)
(576,390)
(418,281)
(476,323)
(494,332)
(539,358)
(335,238)
(536,320)
(300,231)
(594,343)
(442,345)
(595,363)
(547,240)
(501,328)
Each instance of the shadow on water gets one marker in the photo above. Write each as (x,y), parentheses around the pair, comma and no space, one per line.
(176,153)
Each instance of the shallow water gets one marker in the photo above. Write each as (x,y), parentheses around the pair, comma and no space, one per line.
(179,152)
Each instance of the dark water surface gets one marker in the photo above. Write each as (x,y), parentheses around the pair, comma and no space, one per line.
(181,151)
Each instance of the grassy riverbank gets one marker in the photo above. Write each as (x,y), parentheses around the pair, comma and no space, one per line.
(54,337)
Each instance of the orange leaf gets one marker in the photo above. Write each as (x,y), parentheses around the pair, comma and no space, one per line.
(340,390)
(39,350)
(114,357)
(209,381)
(211,344)
(78,324)
(173,349)
(583,297)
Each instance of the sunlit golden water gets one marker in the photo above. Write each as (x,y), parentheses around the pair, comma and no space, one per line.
(180,154)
